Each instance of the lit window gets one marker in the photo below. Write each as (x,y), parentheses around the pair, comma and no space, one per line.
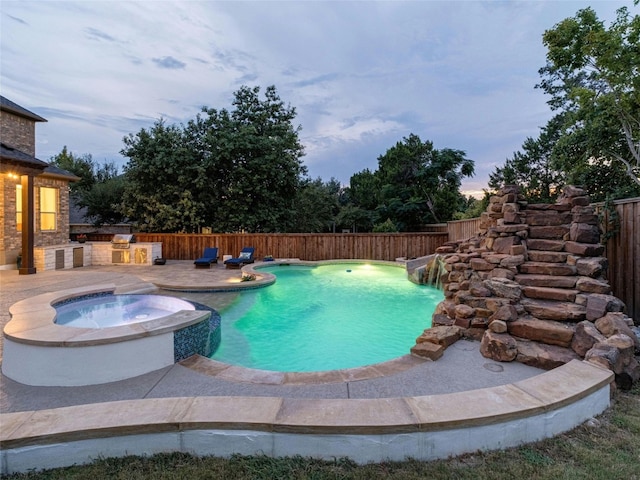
(48,208)
(19,208)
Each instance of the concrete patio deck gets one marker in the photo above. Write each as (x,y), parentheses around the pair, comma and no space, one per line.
(335,403)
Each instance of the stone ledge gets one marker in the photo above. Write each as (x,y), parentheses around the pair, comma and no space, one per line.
(545,392)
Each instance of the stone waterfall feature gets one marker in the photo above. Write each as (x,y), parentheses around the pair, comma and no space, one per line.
(429,270)
(531,286)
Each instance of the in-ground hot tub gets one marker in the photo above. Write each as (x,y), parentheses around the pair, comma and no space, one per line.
(103,311)
(39,351)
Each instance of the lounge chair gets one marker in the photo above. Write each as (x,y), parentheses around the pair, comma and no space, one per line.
(245,257)
(210,256)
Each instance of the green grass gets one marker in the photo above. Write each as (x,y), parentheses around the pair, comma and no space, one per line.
(606,448)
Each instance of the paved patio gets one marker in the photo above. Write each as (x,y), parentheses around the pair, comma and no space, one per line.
(461,368)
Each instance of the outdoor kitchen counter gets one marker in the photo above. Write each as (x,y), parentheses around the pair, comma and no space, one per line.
(138,253)
(62,256)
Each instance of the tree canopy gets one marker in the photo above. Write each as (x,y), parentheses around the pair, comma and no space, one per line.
(593,75)
(99,189)
(534,169)
(414,184)
(230,170)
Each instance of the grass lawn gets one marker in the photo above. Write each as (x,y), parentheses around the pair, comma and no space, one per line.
(606,448)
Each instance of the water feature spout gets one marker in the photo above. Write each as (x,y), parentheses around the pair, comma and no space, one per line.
(427,270)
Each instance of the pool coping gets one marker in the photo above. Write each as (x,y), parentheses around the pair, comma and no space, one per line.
(32,320)
(236,373)
(524,411)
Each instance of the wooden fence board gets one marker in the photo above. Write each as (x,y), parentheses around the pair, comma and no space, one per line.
(623,254)
(368,246)
(463,229)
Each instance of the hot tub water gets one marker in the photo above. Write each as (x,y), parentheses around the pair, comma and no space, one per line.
(113,310)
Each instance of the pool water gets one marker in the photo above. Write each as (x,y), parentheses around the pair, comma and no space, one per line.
(325,318)
(105,311)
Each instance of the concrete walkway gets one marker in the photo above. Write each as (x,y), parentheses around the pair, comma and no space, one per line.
(461,368)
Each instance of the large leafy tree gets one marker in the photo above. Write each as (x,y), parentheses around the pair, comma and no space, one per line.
(593,75)
(534,168)
(99,189)
(160,178)
(414,184)
(82,166)
(315,206)
(103,201)
(229,170)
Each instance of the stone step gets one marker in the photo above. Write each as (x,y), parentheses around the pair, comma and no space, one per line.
(544,356)
(544,331)
(550,310)
(553,281)
(544,244)
(549,233)
(547,218)
(550,293)
(547,256)
(543,268)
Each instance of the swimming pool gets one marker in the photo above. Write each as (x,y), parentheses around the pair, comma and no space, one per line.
(326,317)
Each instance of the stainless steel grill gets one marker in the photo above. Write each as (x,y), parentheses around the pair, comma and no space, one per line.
(121,241)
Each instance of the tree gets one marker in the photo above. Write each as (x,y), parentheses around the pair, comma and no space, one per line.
(592,74)
(534,169)
(103,201)
(81,166)
(315,206)
(230,170)
(159,180)
(261,155)
(473,207)
(355,218)
(415,184)
(99,189)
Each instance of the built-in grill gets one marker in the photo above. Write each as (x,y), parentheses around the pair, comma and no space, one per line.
(121,241)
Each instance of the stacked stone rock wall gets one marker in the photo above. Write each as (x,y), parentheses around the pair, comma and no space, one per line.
(532,288)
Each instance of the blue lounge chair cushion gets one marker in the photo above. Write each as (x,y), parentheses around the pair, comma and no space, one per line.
(209,256)
(246,256)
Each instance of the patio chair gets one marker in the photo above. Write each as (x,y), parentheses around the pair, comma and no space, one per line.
(209,256)
(245,257)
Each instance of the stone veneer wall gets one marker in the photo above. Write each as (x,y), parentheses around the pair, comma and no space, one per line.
(532,288)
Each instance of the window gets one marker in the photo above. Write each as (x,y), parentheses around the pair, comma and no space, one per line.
(19,208)
(48,209)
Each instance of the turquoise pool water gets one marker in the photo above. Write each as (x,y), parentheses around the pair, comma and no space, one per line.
(326,318)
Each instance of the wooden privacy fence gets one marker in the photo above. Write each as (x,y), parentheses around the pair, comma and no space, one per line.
(306,246)
(463,229)
(623,251)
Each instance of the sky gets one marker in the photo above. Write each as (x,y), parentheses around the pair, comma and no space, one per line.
(362,75)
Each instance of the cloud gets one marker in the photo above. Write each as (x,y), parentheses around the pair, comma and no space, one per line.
(320,79)
(96,34)
(19,20)
(169,63)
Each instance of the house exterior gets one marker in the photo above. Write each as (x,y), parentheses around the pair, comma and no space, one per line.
(34,195)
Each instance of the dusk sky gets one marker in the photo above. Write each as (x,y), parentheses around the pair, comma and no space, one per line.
(361,75)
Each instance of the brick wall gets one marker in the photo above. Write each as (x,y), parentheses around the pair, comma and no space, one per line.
(11,242)
(18,132)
